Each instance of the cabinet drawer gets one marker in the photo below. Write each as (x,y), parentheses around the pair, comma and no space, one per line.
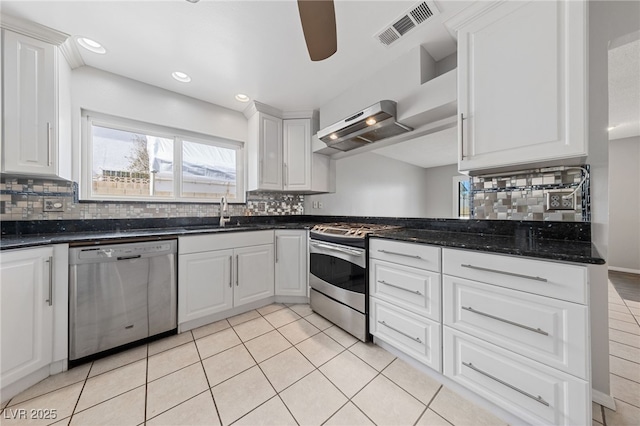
(414,335)
(410,254)
(223,240)
(558,280)
(413,289)
(553,332)
(534,392)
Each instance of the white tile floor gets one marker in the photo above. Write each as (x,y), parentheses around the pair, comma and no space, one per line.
(624,354)
(282,365)
(278,365)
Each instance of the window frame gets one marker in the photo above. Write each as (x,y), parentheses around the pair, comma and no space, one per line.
(89,119)
(457,180)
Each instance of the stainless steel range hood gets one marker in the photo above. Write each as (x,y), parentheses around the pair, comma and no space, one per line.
(370,125)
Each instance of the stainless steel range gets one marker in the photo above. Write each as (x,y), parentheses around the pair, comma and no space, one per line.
(337,274)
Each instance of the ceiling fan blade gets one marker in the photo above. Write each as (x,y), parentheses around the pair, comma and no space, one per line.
(318,18)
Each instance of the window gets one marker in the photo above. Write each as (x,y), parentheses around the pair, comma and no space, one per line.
(132,161)
(461,197)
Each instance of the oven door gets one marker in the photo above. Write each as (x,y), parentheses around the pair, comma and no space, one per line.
(338,271)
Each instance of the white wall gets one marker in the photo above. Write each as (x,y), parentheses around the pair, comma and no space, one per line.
(439,190)
(107,93)
(624,204)
(608,20)
(372,185)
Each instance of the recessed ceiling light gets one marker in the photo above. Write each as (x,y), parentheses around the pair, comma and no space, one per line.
(181,77)
(242,97)
(91,45)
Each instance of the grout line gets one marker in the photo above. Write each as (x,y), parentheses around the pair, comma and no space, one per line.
(207,378)
(73,412)
(146,387)
(604,418)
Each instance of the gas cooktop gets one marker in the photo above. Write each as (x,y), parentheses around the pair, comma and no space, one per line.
(347,233)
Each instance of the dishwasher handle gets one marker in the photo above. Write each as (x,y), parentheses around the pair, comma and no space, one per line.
(129,257)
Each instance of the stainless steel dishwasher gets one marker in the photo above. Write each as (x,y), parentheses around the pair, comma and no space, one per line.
(120,293)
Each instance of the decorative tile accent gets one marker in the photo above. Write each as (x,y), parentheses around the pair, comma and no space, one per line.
(523,195)
(23,199)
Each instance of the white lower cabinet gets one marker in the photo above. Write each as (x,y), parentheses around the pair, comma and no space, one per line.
(205,285)
(405,293)
(291,270)
(412,334)
(219,272)
(26,302)
(254,274)
(534,392)
(512,329)
(548,330)
(33,316)
(516,331)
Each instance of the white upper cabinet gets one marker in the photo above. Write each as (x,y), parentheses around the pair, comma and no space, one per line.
(279,153)
(521,85)
(31,142)
(270,150)
(297,154)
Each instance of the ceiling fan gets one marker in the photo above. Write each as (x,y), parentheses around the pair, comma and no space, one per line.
(318,18)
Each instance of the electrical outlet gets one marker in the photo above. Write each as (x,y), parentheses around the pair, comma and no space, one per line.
(561,200)
(320,204)
(315,204)
(53,205)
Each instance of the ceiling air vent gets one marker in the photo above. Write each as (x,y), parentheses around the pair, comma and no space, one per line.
(413,17)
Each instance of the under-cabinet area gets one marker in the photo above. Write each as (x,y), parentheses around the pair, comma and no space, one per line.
(512,329)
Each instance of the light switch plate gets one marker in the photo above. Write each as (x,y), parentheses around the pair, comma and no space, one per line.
(561,200)
(53,205)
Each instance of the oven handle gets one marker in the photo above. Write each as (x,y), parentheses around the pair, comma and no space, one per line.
(338,249)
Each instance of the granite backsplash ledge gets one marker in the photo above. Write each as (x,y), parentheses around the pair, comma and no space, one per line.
(565,231)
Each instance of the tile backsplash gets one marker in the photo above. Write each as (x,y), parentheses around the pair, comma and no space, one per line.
(23,199)
(523,195)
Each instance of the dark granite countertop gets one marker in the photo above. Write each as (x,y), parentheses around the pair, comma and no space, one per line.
(520,244)
(105,237)
(561,241)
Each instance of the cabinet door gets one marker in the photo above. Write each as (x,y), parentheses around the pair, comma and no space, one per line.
(537,394)
(270,148)
(29,110)
(412,334)
(521,85)
(297,154)
(204,284)
(26,310)
(253,274)
(291,263)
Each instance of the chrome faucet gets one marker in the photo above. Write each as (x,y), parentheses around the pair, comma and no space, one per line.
(223,209)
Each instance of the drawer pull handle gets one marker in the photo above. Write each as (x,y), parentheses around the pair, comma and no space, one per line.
(526,327)
(401,288)
(513,274)
(413,256)
(502,382)
(417,339)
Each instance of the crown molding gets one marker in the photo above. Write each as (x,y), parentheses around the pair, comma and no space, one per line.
(256,106)
(32,29)
(71,53)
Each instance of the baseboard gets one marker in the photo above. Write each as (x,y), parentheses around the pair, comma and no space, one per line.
(627,270)
(603,399)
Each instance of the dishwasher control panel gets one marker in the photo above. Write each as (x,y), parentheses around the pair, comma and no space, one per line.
(121,251)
